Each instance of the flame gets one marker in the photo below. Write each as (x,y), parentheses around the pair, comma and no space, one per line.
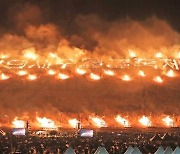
(80,71)
(95,76)
(3,56)
(170,73)
(126,78)
(4,77)
(109,72)
(159,55)
(122,121)
(30,55)
(158,79)
(73,122)
(168,121)
(46,123)
(64,66)
(63,76)
(98,122)
(32,77)
(132,54)
(18,123)
(141,73)
(51,72)
(53,55)
(22,73)
(145,121)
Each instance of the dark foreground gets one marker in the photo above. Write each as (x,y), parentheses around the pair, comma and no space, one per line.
(114,142)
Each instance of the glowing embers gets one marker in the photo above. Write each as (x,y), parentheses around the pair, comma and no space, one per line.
(168,121)
(63,76)
(170,73)
(94,76)
(73,123)
(141,73)
(122,121)
(126,78)
(51,72)
(46,123)
(22,72)
(145,121)
(18,123)
(4,76)
(32,77)
(98,122)
(159,55)
(158,79)
(109,72)
(80,71)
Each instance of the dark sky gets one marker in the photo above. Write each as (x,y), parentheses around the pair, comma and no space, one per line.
(63,11)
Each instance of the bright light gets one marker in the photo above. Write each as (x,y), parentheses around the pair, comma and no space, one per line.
(32,77)
(63,76)
(80,71)
(73,122)
(4,77)
(18,123)
(95,76)
(30,55)
(159,55)
(64,66)
(109,72)
(168,121)
(170,73)
(51,72)
(122,121)
(158,79)
(126,78)
(22,73)
(141,73)
(3,56)
(46,123)
(53,55)
(98,122)
(132,54)
(145,121)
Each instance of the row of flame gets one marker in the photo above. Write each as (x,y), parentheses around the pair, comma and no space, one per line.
(98,122)
(80,71)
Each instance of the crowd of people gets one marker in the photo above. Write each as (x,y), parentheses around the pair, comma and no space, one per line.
(115,143)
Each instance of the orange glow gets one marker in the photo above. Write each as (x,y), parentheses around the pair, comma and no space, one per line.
(126,78)
(158,79)
(30,55)
(95,76)
(22,73)
(159,55)
(46,123)
(168,121)
(141,73)
(170,73)
(80,71)
(4,77)
(3,56)
(132,54)
(32,77)
(98,122)
(51,72)
(122,121)
(53,55)
(18,123)
(73,122)
(63,76)
(145,121)
(109,72)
